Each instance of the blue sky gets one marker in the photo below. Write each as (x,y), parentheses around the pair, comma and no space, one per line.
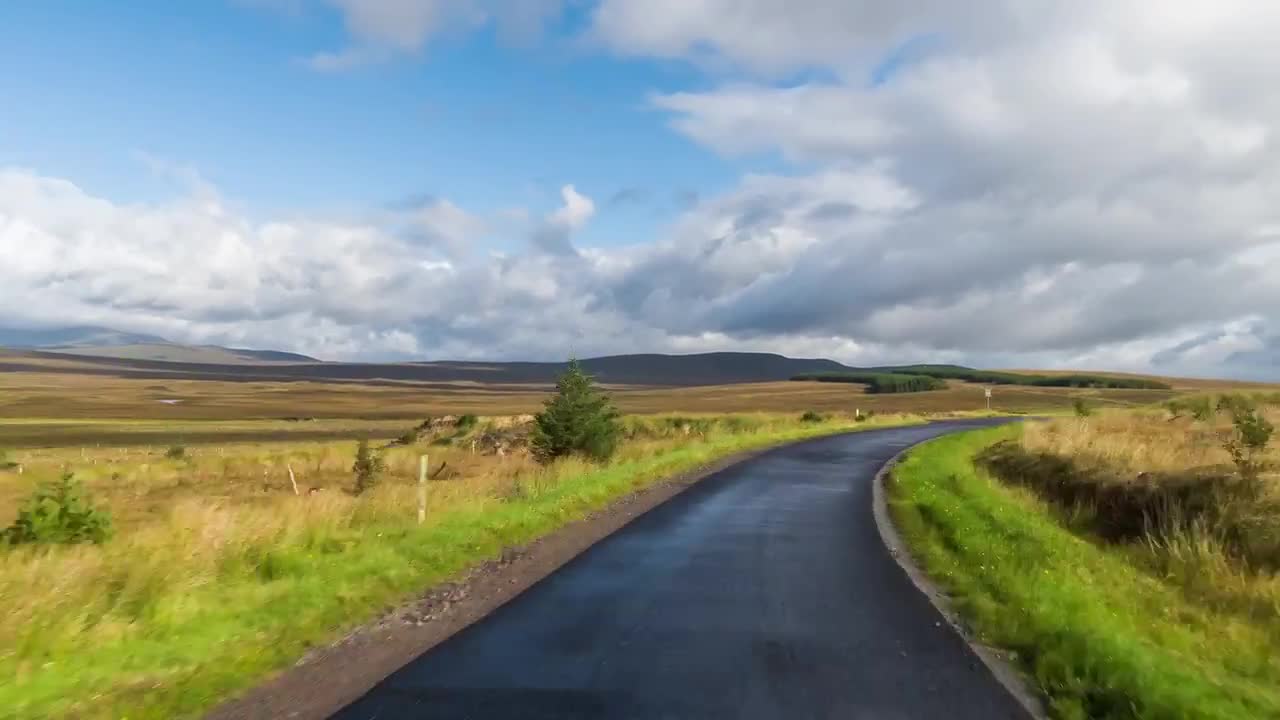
(487,121)
(875,182)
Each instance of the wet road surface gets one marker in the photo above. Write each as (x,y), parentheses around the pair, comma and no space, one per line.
(764,591)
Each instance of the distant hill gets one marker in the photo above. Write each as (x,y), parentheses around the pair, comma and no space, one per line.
(84,336)
(175,361)
(90,341)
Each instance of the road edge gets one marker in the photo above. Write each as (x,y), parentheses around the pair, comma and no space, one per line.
(336,675)
(1003,671)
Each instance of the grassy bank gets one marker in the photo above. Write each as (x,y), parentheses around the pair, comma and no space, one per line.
(1097,626)
(225,582)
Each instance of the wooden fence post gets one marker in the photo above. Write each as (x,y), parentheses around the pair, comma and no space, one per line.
(422,489)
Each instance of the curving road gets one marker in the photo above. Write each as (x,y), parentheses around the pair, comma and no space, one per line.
(764,591)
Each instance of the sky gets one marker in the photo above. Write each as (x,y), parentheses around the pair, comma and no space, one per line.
(1003,183)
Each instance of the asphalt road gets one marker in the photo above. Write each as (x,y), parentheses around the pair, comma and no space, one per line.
(762,592)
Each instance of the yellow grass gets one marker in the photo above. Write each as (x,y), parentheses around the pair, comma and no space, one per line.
(1139,441)
(1143,449)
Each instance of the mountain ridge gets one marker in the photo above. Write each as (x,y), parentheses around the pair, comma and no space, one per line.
(98,341)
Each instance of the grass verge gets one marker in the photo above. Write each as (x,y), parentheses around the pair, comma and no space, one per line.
(169,620)
(1101,637)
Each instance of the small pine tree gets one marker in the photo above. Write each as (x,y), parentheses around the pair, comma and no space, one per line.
(368,465)
(577,419)
(59,512)
(1248,441)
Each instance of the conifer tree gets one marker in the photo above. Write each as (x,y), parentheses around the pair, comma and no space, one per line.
(579,418)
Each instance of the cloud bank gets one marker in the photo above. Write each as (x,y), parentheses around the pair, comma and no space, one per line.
(1038,185)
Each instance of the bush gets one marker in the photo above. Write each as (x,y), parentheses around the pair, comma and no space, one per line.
(1082,408)
(810,416)
(466,422)
(577,419)
(1199,407)
(59,512)
(177,452)
(1248,440)
(368,465)
(1234,404)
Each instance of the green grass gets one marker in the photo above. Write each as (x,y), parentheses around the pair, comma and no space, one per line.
(1098,635)
(169,629)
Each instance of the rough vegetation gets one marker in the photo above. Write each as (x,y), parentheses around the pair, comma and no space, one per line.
(919,378)
(1104,631)
(578,419)
(58,512)
(1162,481)
(878,382)
(993,377)
(1171,608)
(217,546)
(366,468)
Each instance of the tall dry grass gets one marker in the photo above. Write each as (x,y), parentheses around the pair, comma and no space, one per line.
(1140,441)
(1168,492)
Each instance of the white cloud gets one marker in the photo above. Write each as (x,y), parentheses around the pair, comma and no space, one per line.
(555,235)
(1089,184)
(576,211)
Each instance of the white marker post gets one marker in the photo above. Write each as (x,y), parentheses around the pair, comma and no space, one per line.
(987,391)
(422,489)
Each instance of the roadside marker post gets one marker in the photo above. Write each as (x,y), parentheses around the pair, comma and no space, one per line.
(422,489)
(987,391)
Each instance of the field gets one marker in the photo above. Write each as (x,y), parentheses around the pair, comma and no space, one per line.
(238,543)
(1125,561)
(66,409)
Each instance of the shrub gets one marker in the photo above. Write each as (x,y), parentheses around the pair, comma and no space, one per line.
(466,422)
(1234,404)
(810,416)
(1082,408)
(368,465)
(177,452)
(1249,436)
(1200,407)
(577,419)
(59,512)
